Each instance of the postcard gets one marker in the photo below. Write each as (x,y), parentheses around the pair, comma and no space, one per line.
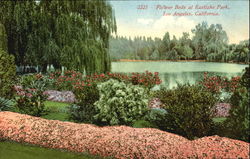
(126,79)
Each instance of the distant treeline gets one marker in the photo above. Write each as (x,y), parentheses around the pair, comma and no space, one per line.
(208,43)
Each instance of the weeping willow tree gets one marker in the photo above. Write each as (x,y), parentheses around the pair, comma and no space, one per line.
(74,34)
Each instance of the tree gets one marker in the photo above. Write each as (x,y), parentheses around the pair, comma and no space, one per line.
(74,34)
(206,37)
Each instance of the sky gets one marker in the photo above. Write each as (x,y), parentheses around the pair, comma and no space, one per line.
(151,21)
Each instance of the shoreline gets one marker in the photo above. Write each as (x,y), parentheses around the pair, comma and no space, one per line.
(132,60)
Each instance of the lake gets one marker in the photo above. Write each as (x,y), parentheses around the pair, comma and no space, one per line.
(172,73)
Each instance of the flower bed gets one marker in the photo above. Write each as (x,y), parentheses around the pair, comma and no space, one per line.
(116,141)
(60,96)
(222,109)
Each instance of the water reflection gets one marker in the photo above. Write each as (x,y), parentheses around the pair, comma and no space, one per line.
(171,80)
(172,73)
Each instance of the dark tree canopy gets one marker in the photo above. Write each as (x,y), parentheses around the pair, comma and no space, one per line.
(74,34)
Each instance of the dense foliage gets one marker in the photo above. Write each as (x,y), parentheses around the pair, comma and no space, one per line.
(84,110)
(3,38)
(73,34)
(189,110)
(5,104)
(30,100)
(209,43)
(237,124)
(120,103)
(86,92)
(157,117)
(29,79)
(7,74)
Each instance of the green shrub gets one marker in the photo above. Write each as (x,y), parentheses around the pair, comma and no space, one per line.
(84,110)
(245,79)
(189,110)
(239,116)
(5,104)
(7,74)
(120,103)
(237,124)
(157,116)
(26,80)
(29,79)
(31,99)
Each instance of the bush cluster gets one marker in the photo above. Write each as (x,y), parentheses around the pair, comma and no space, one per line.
(29,79)
(122,99)
(7,74)
(221,86)
(218,84)
(189,110)
(30,100)
(120,103)
(237,124)
(5,104)
(73,79)
(84,110)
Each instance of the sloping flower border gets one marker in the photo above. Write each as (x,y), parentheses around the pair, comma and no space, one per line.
(116,141)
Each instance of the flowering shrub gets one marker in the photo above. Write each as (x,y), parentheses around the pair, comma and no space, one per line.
(120,103)
(73,79)
(85,89)
(31,100)
(189,110)
(217,84)
(66,81)
(147,79)
(60,96)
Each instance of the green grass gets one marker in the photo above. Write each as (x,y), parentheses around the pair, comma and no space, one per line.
(13,150)
(56,106)
(57,111)
(219,119)
(56,116)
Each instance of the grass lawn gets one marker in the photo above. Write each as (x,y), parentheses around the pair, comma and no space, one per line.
(57,111)
(56,106)
(13,150)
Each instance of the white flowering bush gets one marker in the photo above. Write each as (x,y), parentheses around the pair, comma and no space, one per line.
(120,103)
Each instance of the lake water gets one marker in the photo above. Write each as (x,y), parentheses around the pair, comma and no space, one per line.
(172,73)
